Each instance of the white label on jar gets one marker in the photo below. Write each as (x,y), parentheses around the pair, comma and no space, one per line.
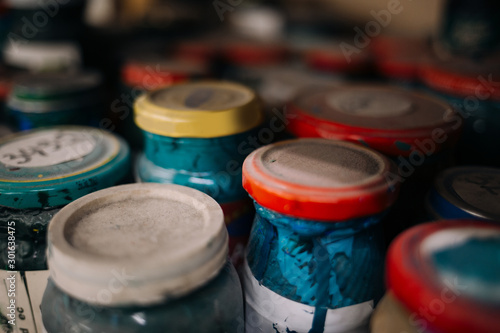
(369,103)
(15,304)
(36,281)
(268,312)
(47,148)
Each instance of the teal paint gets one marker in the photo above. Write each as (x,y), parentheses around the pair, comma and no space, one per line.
(475,266)
(321,264)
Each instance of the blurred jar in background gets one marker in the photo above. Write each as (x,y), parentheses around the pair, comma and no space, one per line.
(197,135)
(45,36)
(417,131)
(398,59)
(469,28)
(147,73)
(465,192)
(473,89)
(443,277)
(46,99)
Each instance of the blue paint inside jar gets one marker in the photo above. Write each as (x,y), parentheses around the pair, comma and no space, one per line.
(213,308)
(474,266)
(211,165)
(321,264)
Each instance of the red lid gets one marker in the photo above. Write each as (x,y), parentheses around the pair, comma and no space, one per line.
(328,56)
(151,74)
(196,50)
(391,120)
(6,80)
(320,179)
(399,57)
(464,78)
(440,290)
(254,52)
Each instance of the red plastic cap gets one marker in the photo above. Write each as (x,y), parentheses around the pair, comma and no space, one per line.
(320,179)
(255,53)
(391,120)
(433,300)
(149,75)
(464,78)
(330,57)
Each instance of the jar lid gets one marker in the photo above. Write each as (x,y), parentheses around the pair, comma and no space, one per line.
(254,52)
(137,244)
(399,57)
(45,92)
(448,273)
(150,74)
(320,179)
(467,192)
(198,110)
(53,166)
(464,77)
(43,56)
(328,55)
(385,118)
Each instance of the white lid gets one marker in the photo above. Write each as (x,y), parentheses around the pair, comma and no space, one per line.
(136,244)
(41,56)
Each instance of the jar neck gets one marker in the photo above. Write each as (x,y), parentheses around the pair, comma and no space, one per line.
(312,228)
(197,154)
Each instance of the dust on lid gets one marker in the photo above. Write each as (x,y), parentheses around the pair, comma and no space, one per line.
(385,118)
(453,266)
(163,240)
(200,109)
(473,190)
(53,166)
(320,179)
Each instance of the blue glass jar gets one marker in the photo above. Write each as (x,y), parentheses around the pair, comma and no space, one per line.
(315,254)
(141,258)
(446,275)
(42,171)
(465,192)
(197,135)
(49,99)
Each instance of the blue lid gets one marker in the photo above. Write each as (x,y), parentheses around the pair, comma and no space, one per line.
(53,166)
(466,192)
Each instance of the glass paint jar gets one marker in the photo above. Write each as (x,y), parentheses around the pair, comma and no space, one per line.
(198,135)
(146,74)
(48,99)
(416,130)
(465,192)
(473,89)
(447,276)
(315,254)
(45,169)
(141,258)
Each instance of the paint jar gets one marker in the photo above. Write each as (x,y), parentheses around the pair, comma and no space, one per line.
(398,59)
(146,74)
(315,254)
(198,135)
(248,60)
(141,258)
(417,131)
(473,89)
(465,192)
(446,274)
(43,170)
(48,99)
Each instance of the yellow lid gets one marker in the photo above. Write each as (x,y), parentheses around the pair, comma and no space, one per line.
(198,110)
